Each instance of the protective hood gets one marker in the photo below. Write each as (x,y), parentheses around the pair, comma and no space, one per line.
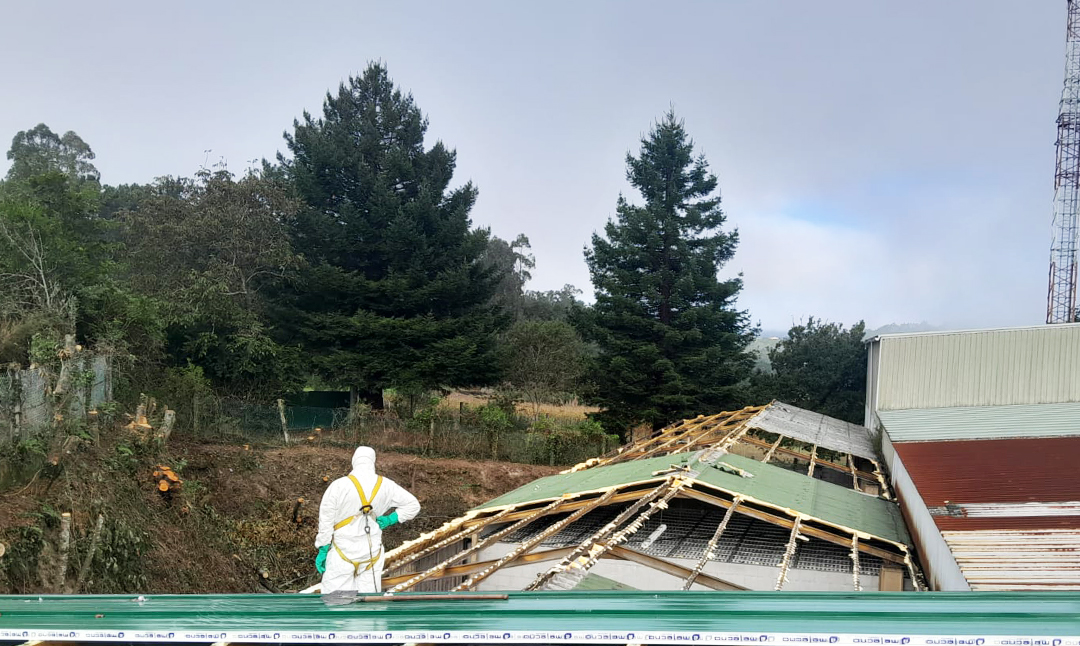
(363,460)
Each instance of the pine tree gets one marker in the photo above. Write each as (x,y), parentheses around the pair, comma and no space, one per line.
(672,344)
(395,293)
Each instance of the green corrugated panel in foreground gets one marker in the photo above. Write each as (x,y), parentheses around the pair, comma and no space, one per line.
(573,617)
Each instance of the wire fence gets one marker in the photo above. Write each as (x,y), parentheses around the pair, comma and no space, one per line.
(450,435)
(27,404)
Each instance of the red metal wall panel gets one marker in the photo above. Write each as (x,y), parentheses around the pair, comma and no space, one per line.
(996,471)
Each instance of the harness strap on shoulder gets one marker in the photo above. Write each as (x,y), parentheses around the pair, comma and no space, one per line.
(365,503)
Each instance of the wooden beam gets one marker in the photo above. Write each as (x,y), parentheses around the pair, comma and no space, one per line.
(528,545)
(668,567)
(438,543)
(789,553)
(772,449)
(470,568)
(711,545)
(854,473)
(788,523)
(891,578)
(856,584)
(488,540)
(601,534)
(776,448)
(732,424)
(885,493)
(707,426)
(578,504)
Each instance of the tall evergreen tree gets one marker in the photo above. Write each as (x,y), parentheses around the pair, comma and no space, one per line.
(671,342)
(396,293)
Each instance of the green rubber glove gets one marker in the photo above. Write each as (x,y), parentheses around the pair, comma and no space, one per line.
(320,560)
(387,520)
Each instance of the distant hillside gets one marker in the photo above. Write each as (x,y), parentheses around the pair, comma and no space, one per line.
(900,328)
(769,339)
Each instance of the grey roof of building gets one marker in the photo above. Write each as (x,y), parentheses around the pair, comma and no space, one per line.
(982,422)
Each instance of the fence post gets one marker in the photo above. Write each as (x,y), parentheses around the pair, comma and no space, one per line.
(284,422)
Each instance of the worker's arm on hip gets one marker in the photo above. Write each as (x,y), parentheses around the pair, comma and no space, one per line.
(329,510)
(405,503)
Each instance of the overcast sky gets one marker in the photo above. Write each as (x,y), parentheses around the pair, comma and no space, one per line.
(887,161)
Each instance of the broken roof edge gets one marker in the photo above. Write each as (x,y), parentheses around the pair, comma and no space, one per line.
(776,417)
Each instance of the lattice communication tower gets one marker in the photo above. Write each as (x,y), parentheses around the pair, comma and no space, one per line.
(1061,303)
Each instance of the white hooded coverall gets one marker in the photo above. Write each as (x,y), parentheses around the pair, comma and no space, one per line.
(341,501)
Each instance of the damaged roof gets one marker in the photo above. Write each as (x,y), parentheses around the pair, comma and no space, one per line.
(772,485)
(777,427)
(815,428)
(805,476)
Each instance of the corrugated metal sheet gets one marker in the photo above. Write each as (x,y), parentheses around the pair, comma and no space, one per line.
(1006,508)
(982,422)
(766,482)
(1034,365)
(994,471)
(939,565)
(1018,560)
(589,617)
(815,428)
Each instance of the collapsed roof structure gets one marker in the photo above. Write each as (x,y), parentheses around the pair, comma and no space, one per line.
(767,497)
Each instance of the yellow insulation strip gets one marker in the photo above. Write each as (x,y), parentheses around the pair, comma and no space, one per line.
(405,585)
(588,544)
(788,553)
(450,540)
(599,549)
(855,564)
(532,542)
(708,555)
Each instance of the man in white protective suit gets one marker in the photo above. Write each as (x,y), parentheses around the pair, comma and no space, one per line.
(353,513)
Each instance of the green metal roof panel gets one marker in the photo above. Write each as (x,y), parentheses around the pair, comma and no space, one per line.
(771,484)
(544,617)
(551,487)
(982,422)
(824,500)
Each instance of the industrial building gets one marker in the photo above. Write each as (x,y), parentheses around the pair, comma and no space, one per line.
(980,431)
(765,498)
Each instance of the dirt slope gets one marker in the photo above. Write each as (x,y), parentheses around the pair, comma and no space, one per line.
(232,526)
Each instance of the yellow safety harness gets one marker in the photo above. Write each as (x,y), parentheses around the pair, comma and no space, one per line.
(365,511)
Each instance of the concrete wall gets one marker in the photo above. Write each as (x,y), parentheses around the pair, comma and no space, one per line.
(754,577)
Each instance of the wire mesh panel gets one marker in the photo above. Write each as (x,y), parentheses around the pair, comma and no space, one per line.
(444,584)
(100,390)
(9,405)
(36,411)
(684,530)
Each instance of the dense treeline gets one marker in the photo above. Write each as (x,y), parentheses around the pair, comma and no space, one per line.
(351,261)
